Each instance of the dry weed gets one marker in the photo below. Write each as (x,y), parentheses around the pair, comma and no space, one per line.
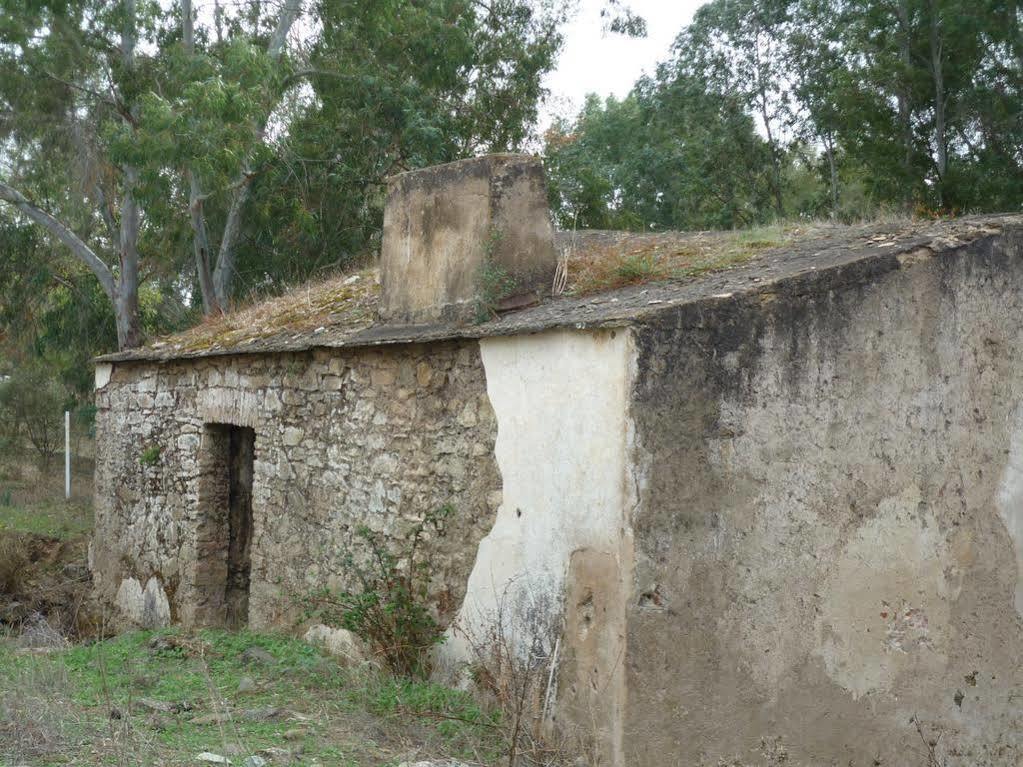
(13,561)
(514,668)
(36,715)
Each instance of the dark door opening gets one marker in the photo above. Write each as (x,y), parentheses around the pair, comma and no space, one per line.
(239,525)
(224,535)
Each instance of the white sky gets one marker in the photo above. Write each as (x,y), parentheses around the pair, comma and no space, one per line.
(592,62)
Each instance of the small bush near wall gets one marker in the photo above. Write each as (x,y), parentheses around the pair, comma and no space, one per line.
(389,608)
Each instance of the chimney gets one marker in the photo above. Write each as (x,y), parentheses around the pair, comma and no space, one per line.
(464,239)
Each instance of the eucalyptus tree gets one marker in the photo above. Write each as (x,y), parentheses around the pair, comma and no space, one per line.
(90,141)
(738,48)
(70,77)
(926,97)
(391,85)
(249,77)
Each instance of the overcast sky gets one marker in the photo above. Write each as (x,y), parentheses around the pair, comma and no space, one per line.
(592,62)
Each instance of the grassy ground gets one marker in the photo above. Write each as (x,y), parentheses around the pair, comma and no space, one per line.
(163,698)
(32,499)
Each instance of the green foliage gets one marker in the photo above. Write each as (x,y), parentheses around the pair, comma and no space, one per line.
(625,165)
(151,455)
(770,109)
(32,404)
(310,136)
(390,607)
(395,86)
(495,283)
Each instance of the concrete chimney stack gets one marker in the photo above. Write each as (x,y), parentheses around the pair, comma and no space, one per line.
(464,239)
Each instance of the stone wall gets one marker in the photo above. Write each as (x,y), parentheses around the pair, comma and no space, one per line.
(374,437)
(828,536)
(775,526)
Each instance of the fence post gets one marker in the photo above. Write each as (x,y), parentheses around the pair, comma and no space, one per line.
(67,455)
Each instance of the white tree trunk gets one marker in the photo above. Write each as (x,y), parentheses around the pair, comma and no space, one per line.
(225,271)
(937,72)
(78,248)
(196,214)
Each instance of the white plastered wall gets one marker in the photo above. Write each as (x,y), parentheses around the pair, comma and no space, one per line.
(561,402)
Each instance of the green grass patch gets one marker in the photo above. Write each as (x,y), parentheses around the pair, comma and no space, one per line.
(325,713)
(53,519)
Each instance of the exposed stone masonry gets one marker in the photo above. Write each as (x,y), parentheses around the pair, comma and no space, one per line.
(374,437)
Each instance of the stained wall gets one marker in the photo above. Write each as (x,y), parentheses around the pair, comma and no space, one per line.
(828,535)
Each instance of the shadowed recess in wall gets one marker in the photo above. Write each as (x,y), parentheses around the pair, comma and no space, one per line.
(225,525)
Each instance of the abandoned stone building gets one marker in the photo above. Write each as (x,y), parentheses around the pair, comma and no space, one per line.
(777,503)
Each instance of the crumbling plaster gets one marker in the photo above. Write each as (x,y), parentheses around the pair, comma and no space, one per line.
(827,546)
(560,400)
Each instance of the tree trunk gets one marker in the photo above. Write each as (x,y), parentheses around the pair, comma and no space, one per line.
(223,275)
(196,214)
(776,190)
(902,95)
(829,151)
(126,305)
(940,138)
(201,247)
(216,288)
(126,302)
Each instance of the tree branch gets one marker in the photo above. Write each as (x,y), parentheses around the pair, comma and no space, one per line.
(224,271)
(284,22)
(105,210)
(80,250)
(196,214)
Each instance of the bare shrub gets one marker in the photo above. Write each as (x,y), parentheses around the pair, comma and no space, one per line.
(13,562)
(38,634)
(35,712)
(514,668)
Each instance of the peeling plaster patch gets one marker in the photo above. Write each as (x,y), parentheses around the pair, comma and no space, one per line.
(155,607)
(886,606)
(147,608)
(561,404)
(129,599)
(1010,501)
(104,370)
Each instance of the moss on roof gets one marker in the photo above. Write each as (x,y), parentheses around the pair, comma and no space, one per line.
(613,278)
(344,302)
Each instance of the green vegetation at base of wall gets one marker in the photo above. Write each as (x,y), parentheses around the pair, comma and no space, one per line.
(164,697)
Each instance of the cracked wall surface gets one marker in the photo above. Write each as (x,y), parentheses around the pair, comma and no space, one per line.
(782,525)
(827,542)
(557,549)
(341,439)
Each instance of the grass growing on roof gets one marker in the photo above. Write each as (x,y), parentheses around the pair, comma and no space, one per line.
(621,259)
(596,262)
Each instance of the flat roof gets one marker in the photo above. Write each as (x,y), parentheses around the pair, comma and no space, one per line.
(615,279)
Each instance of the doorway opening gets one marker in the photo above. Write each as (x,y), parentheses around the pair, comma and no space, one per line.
(224,543)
